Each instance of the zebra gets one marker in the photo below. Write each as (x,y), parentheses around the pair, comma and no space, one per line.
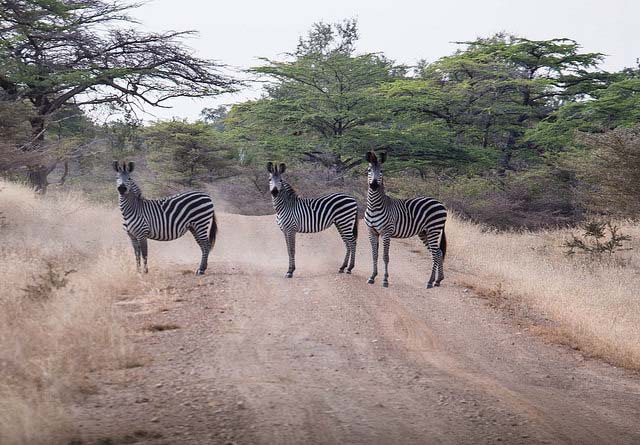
(402,218)
(164,219)
(306,215)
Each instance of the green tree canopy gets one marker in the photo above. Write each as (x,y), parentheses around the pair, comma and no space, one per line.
(319,96)
(495,88)
(69,53)
(186,154)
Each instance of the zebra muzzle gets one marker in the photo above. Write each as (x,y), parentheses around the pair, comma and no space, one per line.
(274,192)
(122,189)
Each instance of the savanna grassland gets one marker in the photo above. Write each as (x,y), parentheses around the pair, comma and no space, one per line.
(592,301)
(62,267)
(65,263)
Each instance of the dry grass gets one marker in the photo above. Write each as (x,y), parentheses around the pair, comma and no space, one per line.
(594,305)
(62,265)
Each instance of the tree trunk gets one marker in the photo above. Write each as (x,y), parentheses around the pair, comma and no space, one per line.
(507,153)
(37,177)
(37,174)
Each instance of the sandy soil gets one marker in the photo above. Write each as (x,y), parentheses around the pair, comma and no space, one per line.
(326,358)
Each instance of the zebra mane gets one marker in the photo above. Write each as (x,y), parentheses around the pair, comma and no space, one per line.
(136,189)
(288,188)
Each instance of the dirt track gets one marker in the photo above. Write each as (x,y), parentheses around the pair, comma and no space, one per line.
(326,358)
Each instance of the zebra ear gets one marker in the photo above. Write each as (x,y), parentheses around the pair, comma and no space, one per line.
(270,167)
(371,157)
(383,157)
(115,166)
(282,168)
(131,165)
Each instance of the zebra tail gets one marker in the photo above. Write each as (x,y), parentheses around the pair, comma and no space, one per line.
(355,228)
(213,230)
(443,244)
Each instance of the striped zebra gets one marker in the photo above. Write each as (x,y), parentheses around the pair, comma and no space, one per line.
(164,219)
(402,218)
(306,215)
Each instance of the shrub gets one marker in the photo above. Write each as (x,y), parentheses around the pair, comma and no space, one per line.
(598,238)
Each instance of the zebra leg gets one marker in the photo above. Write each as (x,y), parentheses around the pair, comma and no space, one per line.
(439,261)
(431,241)
(202,239)
(386,242)
(143,250)
(290,238)
(352,255)
(345,238)
(373,238)
(353,240)
(439,257)
(136,251)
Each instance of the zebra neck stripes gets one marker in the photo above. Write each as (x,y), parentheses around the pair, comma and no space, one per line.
(376,198)
(286,198)
(378,204)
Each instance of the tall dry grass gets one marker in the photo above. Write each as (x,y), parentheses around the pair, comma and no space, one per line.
(55,329)
(595,304)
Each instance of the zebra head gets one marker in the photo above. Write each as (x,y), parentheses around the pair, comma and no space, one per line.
(275,177)
(124,182)
(374,172)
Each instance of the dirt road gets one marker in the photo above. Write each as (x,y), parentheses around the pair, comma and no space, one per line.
(247,356)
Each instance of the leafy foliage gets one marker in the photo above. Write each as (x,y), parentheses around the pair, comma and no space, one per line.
(613,167)
(318,98)
(491,92)
(186,154)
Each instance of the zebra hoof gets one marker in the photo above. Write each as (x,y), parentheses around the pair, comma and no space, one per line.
(341,270)
(199,272)
(289,275)
(370,281)
(385,284)
(436,284)
(349,272)
(429,285)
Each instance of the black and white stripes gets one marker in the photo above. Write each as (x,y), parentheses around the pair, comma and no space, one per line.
(305,215)
(164,219)
(388,218)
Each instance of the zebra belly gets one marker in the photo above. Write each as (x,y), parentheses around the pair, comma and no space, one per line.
(405,234)
(396,231)
(310,228)
(168,236)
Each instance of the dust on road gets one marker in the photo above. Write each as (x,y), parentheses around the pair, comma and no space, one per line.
(326,358)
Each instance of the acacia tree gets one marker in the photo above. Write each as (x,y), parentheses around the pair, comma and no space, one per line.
(61,53)
(319,96)
(492,91)
(185,153)
(617,105)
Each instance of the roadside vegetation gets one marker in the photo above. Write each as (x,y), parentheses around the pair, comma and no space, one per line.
(62,267)
(589,302)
